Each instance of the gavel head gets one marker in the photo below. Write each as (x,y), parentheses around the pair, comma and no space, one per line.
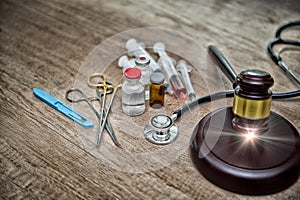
(252,101)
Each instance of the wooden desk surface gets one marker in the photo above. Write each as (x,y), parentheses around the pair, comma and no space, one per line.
(44,43)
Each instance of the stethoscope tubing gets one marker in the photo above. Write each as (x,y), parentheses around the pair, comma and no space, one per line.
(227,94)
(284,26)
(278,40)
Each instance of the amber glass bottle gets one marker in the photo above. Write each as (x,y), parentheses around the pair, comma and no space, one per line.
(157,90)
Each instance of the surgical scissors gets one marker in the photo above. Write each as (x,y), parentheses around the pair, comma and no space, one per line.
(105,87)
(278,40)
(103,84)
(82,97)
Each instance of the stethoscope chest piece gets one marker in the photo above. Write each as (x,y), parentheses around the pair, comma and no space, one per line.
(161,130)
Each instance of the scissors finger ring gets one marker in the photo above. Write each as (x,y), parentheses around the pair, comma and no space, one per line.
(76,98)
(101,83)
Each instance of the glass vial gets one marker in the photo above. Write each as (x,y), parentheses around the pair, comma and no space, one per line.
(142,62)
(133,93)
(157,90)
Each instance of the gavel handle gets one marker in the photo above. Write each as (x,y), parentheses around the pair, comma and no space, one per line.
(222,63)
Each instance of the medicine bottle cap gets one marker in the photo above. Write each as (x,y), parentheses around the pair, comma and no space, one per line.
(157,77)
(132,73)
(142,60)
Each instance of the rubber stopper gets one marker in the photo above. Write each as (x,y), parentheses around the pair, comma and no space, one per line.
(132,73)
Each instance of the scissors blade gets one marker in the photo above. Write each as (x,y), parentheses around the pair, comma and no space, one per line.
(106,116)
(110,130)
(108,125)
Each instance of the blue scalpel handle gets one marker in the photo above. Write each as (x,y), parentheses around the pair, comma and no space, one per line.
(61,107)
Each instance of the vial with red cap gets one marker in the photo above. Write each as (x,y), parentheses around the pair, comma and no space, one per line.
(133,93)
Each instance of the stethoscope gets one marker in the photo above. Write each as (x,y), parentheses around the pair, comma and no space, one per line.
(277,41)
(162,128)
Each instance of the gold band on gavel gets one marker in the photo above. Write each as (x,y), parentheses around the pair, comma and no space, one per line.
(251,109)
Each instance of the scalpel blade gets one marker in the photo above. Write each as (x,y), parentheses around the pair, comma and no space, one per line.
(61,107)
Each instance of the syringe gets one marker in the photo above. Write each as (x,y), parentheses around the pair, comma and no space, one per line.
(185,69)
(173,76)
(137,49)
(124,62)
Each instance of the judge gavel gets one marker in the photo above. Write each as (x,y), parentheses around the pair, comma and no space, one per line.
(247,148)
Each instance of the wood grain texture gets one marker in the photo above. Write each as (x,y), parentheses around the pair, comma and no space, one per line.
(44,43)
